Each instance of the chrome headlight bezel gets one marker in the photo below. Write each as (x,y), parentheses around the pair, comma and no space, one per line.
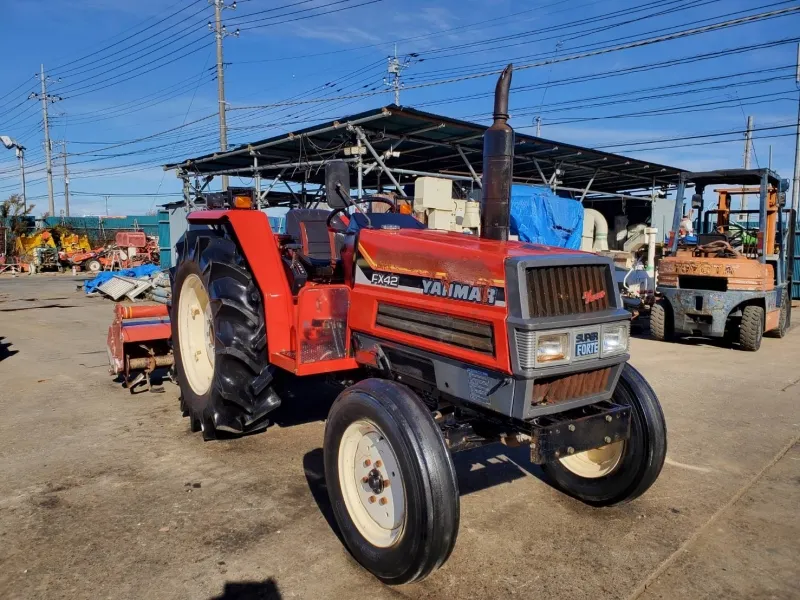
(566,346)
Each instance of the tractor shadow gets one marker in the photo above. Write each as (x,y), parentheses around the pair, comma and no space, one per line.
(303,400)
(476,470)
(5,349)
(250,590)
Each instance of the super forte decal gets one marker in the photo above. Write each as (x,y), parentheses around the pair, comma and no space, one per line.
(491,295)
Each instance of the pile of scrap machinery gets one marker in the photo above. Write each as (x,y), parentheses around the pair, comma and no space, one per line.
(52,249)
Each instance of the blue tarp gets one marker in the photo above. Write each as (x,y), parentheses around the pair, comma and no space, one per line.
(90,286)
(539,216)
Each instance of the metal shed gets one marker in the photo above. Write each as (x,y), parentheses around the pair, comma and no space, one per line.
(388,147)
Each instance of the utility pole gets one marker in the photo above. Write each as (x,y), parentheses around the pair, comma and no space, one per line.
(66,178)
(748,146)
(47,99)
(219,34)
(106,205)
(538,121)
(796,178)
(395,70)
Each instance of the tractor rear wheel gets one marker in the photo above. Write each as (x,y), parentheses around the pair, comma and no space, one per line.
(620,471)
(391,481)
(752,328)
(661,324)
(219,338)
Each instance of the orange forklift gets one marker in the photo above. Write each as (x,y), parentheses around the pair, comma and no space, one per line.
(733,280)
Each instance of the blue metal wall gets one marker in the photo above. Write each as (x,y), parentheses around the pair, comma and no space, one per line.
(796,277)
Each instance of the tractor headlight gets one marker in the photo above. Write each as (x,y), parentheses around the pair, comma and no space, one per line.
(615,339)
(552,347)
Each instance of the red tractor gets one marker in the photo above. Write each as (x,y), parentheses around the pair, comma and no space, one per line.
(441,341)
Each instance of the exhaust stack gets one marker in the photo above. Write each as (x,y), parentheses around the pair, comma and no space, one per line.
(498,165)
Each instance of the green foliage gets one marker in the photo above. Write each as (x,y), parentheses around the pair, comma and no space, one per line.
(13,212)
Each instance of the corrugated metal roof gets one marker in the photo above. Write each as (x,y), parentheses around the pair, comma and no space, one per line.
(430,142)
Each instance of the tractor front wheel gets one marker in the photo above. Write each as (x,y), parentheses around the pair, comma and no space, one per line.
(620,471)
(391,481)
(219,339)
(93,265)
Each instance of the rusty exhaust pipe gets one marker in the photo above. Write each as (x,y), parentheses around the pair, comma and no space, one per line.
(498,165)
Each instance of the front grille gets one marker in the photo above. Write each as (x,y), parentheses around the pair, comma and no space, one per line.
(552,390)
(472,335)
(568,290)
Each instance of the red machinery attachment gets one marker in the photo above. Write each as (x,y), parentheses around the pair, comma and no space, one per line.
(138,344)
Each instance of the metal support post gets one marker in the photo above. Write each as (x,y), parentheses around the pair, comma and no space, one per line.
(469,166)
(21,155)
(541,173)
(257,181)
(46,99)
(66,178)
(762,218)
(677,214)
(360,134)
(219,34)
(360,170)
(588,185)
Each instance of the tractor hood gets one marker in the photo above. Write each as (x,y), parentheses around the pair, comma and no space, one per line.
(447,256)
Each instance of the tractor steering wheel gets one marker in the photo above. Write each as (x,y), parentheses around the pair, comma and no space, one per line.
(342,209)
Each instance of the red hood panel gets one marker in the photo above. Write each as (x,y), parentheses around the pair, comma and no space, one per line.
(446,255)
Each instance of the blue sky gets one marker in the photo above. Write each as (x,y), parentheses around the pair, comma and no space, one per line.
(159,83)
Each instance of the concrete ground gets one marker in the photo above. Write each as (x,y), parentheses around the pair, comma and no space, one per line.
(108,495)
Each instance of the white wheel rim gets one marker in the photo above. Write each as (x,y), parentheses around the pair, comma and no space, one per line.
(595,463)
(196,334)
(371,484)
(94,266)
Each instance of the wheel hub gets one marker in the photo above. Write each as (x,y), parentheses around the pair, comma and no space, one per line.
(375,481)
(371,483)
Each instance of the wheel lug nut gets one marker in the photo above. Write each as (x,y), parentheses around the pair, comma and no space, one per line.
(364,479)
(385,483)
(367,462)
(608,418)
(607,440)
(372,499)
(570,450)
(572,427)
(378,463)
(383,501)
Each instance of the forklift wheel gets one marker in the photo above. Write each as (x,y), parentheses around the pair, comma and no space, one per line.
(621,471)
(661,321)
(219,339)
(752,328)
(391,481)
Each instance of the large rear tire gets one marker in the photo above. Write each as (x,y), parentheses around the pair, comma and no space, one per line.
(219,338)
(624,470)
(391,481)
(661,321)
(752,328)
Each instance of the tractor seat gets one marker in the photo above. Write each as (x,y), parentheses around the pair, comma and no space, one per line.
(318,248)
(308,227)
